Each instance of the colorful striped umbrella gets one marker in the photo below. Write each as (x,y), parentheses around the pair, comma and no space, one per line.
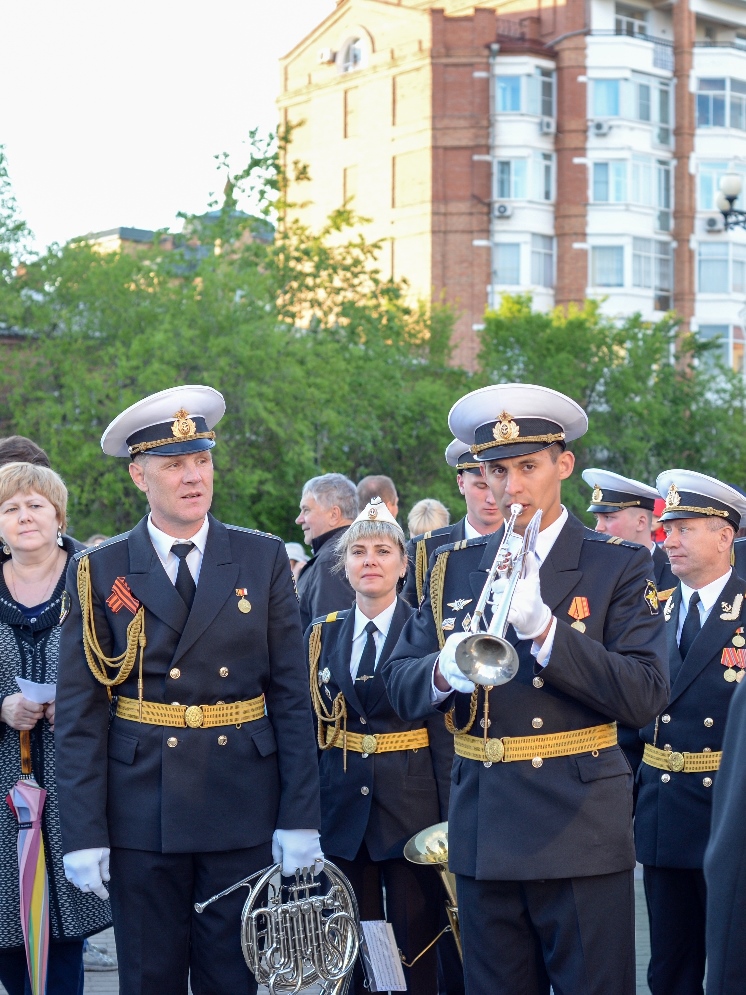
(26,800)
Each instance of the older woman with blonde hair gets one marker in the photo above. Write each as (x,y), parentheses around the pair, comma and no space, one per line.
(34,556)
(427,515)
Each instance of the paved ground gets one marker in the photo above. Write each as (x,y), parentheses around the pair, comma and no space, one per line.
(106,982)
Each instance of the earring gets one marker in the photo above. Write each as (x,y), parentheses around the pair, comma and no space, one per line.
(6,547)
(59,537)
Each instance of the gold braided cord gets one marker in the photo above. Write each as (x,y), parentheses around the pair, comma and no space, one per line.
(337,717)
(702,511)
(481,446)
(420,566)
(617,504)
(143,447)
(437,586)
(451,725)
(95,656)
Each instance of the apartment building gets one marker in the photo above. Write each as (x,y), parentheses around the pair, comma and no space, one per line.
(566,149)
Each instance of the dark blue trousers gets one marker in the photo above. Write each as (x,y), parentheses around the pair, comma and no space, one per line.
(64,971)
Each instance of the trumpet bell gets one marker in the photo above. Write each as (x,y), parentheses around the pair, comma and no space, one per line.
(429,846)
(487,659)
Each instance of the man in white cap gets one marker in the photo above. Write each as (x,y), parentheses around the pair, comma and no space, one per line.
(483,517)
(540,815)
(184,736)
(704,620)
(624,507)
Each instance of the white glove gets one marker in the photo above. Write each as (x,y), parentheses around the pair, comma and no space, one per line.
(88,869)
(296,849)
(448,667)
(528,614)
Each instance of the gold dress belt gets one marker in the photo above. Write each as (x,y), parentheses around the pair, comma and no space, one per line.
(557,744)
(688,763)
(384,742)
(191,716)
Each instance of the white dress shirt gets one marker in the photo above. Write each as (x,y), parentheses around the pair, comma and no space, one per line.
(469,531)
(708,596)
(360,636)
(162,543)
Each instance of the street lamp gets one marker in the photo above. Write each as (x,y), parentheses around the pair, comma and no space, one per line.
(730,188)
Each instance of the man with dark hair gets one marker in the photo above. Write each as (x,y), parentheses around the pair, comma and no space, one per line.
(19,449)
(483,517)
(328,506)
(540,815)
(380,486)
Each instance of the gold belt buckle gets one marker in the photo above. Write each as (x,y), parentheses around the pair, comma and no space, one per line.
(193,717)
(369,743)
(676,762)
(494,750)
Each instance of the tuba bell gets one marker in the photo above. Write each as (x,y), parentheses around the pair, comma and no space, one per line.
(486,657)
(430,846)
(298,937)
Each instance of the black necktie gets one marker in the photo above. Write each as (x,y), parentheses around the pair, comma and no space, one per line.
(367,666)
(184,581)
(691,626)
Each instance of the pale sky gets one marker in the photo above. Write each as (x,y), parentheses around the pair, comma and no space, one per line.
(111,111)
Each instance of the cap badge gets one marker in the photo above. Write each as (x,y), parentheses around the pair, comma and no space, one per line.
(673,498)
(597,496)
(183,427)
(506,430)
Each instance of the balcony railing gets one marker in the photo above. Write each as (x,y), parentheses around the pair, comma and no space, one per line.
(739,46)
(662,47)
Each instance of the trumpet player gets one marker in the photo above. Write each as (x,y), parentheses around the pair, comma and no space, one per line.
(382,779)
(540,817)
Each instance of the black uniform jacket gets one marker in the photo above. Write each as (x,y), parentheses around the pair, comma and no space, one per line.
(725,861)
(120,783)
(672,819)
(570,816)
(428,542)
(407,789)
(319,589)
(739,556)
(663,575)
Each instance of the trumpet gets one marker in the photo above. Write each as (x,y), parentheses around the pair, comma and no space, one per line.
(486,657)
(307,939)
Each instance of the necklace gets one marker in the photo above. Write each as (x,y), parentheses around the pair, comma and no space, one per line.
(14,590)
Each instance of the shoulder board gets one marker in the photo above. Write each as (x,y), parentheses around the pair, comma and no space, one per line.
(90,550)
(608,540)
(332,617)
(432,534)
(454,547)
(253,532)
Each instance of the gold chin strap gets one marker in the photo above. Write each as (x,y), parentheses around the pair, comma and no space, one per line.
(95,656)
(337,717)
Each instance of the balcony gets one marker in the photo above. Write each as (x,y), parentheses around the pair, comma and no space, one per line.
(662,47)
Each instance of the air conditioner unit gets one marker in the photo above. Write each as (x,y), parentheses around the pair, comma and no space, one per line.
(601,127)
(547,126)
(503,210)
(325,56)
(714,222)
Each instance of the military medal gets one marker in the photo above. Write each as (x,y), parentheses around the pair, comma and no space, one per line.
(447,624)
(579,610)
(460,603)
(734,659)
(122,597)
(244,605)
(738,640)
(466,622)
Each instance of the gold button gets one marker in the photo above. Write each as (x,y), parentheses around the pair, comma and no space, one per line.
(537,723)
(709,723)
(223,671)
(537,762)
(707,781)
(666,719)
(665,778)
(172,741)
(222,740)
(538,682)
(174,673)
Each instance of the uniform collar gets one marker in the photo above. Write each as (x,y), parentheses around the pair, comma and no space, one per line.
(469,531)
(548,536)
(382,621)
(163,542)
(708,594)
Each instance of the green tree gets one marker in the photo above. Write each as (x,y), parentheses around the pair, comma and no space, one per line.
(654,402)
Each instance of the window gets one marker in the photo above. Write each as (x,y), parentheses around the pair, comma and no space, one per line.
(607,266)
(511,179)
(731,342)
(541,93)
(644,112)
(664,201)
(713,268)
(643,191)
(507,262)
(721,103)
(629,20)
(652,269)
(708,187)
(508,94)
(353,56)
(606,97)
(664,113)
(738,282)
(542,260)
(542,184)
(610,182)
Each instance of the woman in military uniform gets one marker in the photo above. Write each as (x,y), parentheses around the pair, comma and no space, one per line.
(379,782)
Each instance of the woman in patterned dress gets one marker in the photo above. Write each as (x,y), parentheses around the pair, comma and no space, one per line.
(34,557)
